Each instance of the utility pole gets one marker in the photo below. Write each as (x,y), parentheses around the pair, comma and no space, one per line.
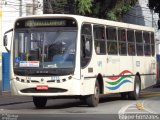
(152,18)
(1,47)
(20,8)
(33,7)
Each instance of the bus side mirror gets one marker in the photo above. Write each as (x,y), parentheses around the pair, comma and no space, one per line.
(5,40)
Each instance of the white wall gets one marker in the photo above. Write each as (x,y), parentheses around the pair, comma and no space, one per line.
(11,11)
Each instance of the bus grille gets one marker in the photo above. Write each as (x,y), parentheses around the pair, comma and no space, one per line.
(50,90)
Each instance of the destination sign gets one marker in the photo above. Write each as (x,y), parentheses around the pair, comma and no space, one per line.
(41,23)
(29,23)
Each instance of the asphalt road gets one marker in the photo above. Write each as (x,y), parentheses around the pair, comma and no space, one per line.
(110,107)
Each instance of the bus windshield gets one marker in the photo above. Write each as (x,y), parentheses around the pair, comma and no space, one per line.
(44,50)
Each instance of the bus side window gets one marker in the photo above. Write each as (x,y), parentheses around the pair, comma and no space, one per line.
(86,44)
(139,43)
(99,38)
(131,42)
(86,50)
(112,48)
(131,49)
(152,44)
(122,41)
(111,34)
(146,40)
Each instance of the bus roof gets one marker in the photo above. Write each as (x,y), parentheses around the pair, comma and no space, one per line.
(98,21)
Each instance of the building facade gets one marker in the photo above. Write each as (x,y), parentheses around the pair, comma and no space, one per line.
(12,9)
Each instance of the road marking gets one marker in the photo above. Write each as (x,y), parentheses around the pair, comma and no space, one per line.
(133,105)
(123,109)
(139,106)
(149,110)
(133,108)
(136,112)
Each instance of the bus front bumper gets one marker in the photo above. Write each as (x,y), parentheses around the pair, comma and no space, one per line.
(66,88)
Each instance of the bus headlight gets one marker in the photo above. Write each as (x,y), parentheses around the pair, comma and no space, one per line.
(17,78)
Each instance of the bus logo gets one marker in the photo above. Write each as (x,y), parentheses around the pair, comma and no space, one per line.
(42,80)
(119,80)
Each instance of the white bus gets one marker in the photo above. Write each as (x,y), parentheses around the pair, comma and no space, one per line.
(75,56)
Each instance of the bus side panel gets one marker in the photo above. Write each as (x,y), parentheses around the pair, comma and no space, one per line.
(127,78)
(88,81)
(146,67)
(139,66)
(150,71)
(14,90)
(112,71)
(87,87)
(97,66)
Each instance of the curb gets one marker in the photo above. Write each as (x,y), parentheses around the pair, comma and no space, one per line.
(6,93)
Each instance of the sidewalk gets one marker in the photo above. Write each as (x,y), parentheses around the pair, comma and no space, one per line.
(7,99)
(154,88)
(8,93)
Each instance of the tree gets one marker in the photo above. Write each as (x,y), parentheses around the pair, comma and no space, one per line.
(84,6)
(105,9)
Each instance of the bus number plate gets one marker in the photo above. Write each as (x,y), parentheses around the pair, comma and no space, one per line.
(42,87)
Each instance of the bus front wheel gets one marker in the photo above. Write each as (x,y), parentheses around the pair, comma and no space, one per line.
(93,100)
(134,95)
(39,102)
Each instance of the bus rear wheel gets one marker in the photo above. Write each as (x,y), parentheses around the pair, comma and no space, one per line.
(39,102)
(93,100)
(134,95)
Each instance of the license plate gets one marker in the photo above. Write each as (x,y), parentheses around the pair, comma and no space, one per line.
(42,87)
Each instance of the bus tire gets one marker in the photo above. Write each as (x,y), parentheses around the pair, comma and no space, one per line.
(134,95)
(93,100)
(39,102)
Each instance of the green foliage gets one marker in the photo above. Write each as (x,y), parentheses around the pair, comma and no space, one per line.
(100,10)
(111,15)
(117,11)
(84,6)
(105,9)
(96,9)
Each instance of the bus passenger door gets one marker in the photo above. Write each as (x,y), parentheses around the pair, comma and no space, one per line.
(86,53)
